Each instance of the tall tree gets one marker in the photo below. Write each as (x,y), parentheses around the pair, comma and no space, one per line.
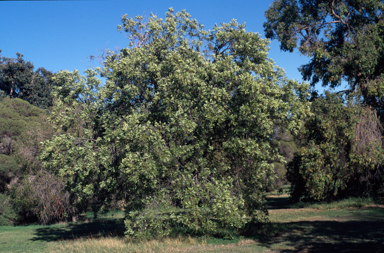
(181,130)
(344,39)
(14,75)
(19,80)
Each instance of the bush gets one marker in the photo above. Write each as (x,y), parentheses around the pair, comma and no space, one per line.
(22,128)
(41,197)
(7,214)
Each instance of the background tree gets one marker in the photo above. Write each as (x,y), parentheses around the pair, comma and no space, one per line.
(345,42)
(19,80)
(342,153)
(343,38)
(181,130)
(286,144)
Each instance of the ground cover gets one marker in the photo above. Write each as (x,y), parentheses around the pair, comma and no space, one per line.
(347,226)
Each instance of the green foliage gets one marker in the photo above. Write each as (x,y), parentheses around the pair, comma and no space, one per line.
(40,196)
(8,169)
(22,128)
(285,142)
(343,38)
(342,155)
(7,214)
(19,80)
(181,130)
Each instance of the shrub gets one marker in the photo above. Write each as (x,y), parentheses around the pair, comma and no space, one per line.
(41,197)
(7,214)
(22,128)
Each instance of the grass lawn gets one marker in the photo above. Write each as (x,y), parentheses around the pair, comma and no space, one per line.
(349,226)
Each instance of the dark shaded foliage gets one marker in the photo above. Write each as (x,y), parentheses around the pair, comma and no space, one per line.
(7,213)
(285,142)
(41,196)
(36,195)
(343,38)
(342,154)
(19,80)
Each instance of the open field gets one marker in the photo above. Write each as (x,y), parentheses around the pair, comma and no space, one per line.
(339,227)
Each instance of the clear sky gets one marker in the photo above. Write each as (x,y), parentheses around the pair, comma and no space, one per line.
(59,35)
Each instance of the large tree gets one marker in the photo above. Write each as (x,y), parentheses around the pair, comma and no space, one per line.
(19,80)
(182,129)
(344,39)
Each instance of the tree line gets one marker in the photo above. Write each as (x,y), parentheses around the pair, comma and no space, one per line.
(192,127)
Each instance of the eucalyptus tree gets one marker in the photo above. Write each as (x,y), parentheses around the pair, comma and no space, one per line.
(344,39)
(182,128)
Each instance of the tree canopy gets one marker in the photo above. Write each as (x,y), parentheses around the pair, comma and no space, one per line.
(342,153)
(182,128)
(344,39)
(19,80)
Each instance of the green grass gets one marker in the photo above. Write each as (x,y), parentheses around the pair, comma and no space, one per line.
(22,239)
(105,215)
(345,203)
(353,225)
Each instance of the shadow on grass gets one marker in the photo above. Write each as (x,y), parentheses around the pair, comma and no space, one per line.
(278,203)
(328,236)
(93,229)
(361,231)
(358,233)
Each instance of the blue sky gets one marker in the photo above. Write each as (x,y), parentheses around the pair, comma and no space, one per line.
(60,35)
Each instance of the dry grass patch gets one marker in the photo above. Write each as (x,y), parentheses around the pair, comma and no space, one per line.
(166,245)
